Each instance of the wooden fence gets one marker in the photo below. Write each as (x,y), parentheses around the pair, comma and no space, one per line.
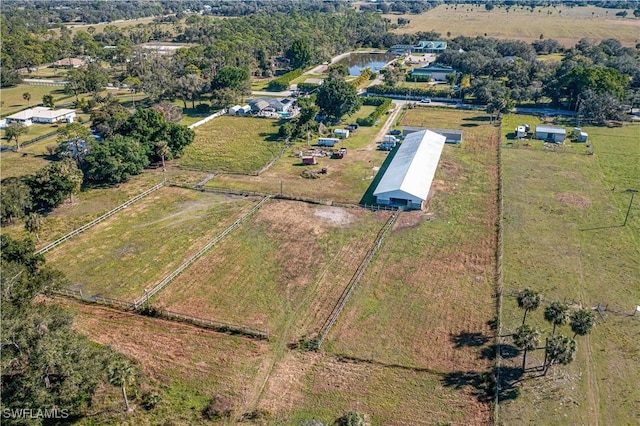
(354,281)
(220,326)
(98,220)
(166,280)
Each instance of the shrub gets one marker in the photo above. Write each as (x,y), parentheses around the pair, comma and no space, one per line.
(219,408)
(282,82)
(371,118)
(150,400)
(203,108)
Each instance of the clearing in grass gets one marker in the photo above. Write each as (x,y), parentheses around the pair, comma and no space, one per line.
(563,237)
(139,246)
(233,144)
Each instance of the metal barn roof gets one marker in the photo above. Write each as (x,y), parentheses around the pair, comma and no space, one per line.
(551,129)
(412,169)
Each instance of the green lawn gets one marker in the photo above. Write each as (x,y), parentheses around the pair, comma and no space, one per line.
(29,160)
(134,249)
(233,144)
(563,237)
(13,101)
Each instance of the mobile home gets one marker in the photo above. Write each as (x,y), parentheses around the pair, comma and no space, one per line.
(328,141)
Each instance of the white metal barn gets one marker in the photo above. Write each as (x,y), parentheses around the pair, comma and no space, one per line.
(551,134)
(407,180)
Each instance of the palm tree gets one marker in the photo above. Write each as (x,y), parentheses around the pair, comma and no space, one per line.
(528,300)
(526,338)
(33,224)
(162,150)
(27,97)
(557,313)
(582,321)
(121,374)
(560,350)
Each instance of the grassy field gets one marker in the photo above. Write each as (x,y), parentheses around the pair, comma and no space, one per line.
(185,365)
(29,160)
(563,237)
(426,300)
(288,265)
(13,101)
(346,181)
(133,250)
(565,24)
(233,144)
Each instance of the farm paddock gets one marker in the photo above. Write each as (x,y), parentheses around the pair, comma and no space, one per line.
(140,245)
(288,265)
(563,237)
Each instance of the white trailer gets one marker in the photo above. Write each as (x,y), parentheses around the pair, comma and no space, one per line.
(328,141)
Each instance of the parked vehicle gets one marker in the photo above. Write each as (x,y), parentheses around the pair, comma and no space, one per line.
(425,101)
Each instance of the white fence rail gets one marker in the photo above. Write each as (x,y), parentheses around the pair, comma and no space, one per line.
(166,280)
(209,118)
(98,220)
(354,281)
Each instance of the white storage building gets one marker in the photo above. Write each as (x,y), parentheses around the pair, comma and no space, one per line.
(551,133)
(407,180)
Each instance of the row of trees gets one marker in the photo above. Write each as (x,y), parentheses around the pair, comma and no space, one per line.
(559,349)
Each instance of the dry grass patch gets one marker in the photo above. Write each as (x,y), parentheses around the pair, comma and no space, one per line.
(186,364)
(287,265)
(565,24)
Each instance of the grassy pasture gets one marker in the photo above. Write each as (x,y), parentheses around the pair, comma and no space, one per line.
(13,101)
(89,204)
(135,249)
(288,265)
(426,298)
(18,164)
(347,179)
(562,237)
(565,24)
(233,144)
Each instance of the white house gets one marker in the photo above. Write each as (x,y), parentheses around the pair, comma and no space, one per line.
(407,180)
(42,115)
(551,134)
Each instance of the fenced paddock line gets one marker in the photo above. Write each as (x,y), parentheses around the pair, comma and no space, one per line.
(499,284)
(354,281)
(219,326)
(98,220)
(166,280)
(207,119)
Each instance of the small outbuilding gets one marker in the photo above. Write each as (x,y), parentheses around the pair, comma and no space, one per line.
(309,160)
(234,110)
(341,133)
(244,110)
(520,132)
(42,115)
(552,134)
(407,181)
(328,141)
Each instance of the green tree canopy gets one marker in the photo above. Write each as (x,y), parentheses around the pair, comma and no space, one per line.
(336,98)
(15,199)
(54,182)
(114,160)
(14,131)
(300,53)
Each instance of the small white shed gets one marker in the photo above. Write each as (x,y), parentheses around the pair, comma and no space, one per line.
(341,133)
(551,134)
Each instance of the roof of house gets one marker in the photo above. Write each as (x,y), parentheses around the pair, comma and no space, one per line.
(551,129)
(258,104)
(430,44)
(436,68)
(414,165)
(40,112)
(69,62)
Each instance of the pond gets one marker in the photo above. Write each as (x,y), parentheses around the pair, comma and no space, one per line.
(356,62)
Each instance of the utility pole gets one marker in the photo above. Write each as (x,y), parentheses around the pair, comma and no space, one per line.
(633,192)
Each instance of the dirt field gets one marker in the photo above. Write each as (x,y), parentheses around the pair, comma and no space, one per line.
(288,266)
(138,246)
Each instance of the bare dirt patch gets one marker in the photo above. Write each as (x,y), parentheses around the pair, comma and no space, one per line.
(572,200)
(334,215)
(410,219)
